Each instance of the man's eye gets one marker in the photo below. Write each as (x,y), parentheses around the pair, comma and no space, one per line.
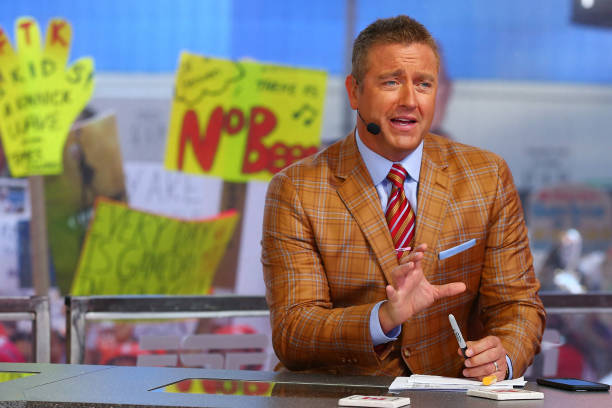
(391,83)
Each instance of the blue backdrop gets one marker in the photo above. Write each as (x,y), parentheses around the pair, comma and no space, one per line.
(481,39)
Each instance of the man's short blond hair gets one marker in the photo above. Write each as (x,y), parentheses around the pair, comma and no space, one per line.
(395,30)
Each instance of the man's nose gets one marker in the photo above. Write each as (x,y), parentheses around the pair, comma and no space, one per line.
(408,95)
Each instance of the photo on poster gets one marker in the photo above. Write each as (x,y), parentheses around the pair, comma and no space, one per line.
(14,198)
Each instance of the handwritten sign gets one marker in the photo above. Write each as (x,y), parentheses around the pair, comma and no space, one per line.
(242,120)
(39,96)
(151,187)
(133,252)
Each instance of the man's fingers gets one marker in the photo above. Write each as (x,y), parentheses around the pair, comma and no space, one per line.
(487,369)
(421,248)
(411,257)
(484,358)
(399,273)
(450,289)
(415,255)
(479,346)
(390,292)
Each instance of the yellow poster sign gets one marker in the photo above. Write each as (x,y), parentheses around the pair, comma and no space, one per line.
(132,252)
(243,120)
(39,96)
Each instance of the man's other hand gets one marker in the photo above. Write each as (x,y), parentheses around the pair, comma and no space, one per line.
(485,357)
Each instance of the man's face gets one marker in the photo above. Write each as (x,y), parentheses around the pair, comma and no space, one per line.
(398,93)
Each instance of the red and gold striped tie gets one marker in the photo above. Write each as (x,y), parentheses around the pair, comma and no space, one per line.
(400,216)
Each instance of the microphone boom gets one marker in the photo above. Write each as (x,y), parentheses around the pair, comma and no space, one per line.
(372,127)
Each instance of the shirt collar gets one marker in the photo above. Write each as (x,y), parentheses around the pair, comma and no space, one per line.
(379,167)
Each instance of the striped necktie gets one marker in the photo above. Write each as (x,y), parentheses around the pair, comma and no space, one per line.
(399,215)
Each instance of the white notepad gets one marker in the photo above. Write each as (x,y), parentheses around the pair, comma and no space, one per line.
(514,394)
(373,401)
(433,382)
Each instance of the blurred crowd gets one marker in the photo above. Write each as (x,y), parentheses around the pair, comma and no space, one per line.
(585,342)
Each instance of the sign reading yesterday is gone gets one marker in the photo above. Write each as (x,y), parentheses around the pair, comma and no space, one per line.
(133,252)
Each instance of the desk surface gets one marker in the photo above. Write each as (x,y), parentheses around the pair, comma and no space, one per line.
(88,386)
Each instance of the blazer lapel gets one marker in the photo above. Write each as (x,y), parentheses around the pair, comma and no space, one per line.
(358,193)
(432,200)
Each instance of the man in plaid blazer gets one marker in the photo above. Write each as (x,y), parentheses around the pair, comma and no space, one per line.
(341,299)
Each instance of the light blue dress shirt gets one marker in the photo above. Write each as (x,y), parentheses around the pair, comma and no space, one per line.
(379,167)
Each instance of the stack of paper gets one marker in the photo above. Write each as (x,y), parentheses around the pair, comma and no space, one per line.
(435,382)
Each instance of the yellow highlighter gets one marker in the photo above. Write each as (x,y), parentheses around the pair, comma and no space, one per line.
(489,380)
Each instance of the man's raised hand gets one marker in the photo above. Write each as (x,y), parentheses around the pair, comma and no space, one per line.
(410,292)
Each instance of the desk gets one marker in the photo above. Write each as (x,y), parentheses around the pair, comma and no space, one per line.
(75,386)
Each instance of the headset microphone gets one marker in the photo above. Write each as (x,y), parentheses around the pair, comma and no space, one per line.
(372,127)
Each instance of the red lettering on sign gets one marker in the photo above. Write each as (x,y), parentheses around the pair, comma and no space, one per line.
(228,122)
(55,33)
(258,157)
(205,147)
(26,26)
(2,41)
(262,122)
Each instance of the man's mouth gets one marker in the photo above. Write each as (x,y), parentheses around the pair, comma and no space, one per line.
(403,122)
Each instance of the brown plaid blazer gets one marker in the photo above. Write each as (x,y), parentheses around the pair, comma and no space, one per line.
(327,255)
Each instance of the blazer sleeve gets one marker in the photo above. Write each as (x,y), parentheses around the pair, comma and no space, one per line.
(308,331)
(510,307)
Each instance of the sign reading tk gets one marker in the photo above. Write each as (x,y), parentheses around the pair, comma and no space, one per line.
(243,120)
(40,96)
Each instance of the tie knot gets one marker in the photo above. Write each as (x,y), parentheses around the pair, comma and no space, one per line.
(397,175)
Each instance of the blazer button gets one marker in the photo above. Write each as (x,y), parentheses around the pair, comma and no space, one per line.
(406,352)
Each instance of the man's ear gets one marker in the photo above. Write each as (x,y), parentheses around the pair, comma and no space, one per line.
(352,90)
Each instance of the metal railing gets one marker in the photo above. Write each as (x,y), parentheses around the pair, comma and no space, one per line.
(36,309)
(80,309)
(582,303)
